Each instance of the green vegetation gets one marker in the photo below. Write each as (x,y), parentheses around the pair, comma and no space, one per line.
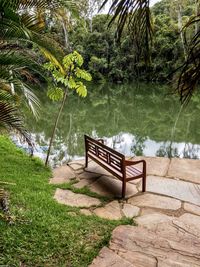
(34,32)
(106,59)
(70,76)
(44,233)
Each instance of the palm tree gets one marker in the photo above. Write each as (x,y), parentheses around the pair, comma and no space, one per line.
(136,15)
(19,30)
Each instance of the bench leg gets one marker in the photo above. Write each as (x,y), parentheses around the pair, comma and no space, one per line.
(123,189)
(86,161)
(144,184)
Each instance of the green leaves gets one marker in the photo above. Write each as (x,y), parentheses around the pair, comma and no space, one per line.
(81,89)
(71,77)
(83,74)
(10,116)
(55,93)
(73,59)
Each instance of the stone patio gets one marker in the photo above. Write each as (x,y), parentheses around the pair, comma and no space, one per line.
(168,214)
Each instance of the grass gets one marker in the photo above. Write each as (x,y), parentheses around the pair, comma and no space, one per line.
(44,233)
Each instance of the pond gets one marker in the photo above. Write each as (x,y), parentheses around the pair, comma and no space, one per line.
(134,119)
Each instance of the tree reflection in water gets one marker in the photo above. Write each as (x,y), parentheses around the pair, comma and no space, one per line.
(140,119)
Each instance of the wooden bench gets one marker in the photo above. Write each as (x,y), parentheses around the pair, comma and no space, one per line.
(114,162)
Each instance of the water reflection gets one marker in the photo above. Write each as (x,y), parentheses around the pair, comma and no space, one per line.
(133,119)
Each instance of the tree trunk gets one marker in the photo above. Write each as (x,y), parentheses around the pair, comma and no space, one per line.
(55,126)
(66,39)
(180,26)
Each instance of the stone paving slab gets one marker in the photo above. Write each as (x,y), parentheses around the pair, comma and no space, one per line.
(186,169)
(75,166)
(111,187)
(164,245)
(85,182)
(182,190)
(88,175)
(62,174)
(155,201)
(111,211)
(78,161)
(192,208)
(69,198)
(96,168)
(86,212)
(108,258)
(168,215)
(148,220)
(155,165)
(130,211)
(192,220)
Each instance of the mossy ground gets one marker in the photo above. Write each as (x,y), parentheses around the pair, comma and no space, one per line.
(44,233)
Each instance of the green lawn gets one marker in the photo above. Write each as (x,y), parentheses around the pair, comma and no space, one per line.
(44,233)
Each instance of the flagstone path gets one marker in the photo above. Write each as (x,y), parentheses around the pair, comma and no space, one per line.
(168,214)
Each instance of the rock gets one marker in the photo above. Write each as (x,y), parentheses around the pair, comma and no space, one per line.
(78,161)
(165,242)
(174,188)
(69,198)
(155,165)
(111,211)
(138,259)
(154,218)
(86,212)
(96,168)
(185,169)
(136,182)
(84,182)
(155,201)
(130,211)
(75,166)
(174,263)
(192,208)
(110,187)
(108,258)
(88,175)
(62,174)
(192,220)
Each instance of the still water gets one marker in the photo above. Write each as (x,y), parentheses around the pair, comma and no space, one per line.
(134,119)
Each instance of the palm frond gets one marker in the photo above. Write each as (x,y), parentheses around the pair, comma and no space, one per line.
(190,70)
(20,60)
(12,120)
(20,4)
(136,16)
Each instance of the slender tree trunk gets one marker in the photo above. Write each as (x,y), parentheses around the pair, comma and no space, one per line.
(11,84)
(180,26)
(66,39)
(55,126)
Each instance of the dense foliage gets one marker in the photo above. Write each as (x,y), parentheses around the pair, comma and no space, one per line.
(106,59)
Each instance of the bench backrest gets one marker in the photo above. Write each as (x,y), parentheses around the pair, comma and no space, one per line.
(109,156)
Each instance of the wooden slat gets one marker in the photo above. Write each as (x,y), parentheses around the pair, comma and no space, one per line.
(114,162)
(106,166)
(112,151)
(133,170)
(111,159)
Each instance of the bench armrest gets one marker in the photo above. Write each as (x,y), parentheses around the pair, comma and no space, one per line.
(131,162)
